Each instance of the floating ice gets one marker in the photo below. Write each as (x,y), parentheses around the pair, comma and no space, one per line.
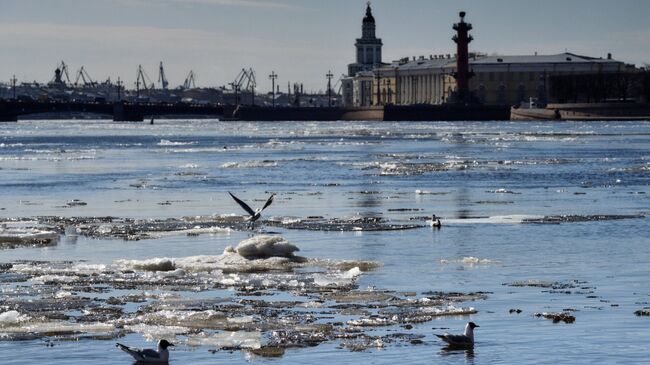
(12,317)
(11,237)
(265,247)
(233,340)
(166,142)
(468,261)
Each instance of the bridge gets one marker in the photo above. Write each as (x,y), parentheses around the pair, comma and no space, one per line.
(10,110)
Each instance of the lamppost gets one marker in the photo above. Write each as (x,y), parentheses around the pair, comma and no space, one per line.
(329,87)
(273,76)
(13,85)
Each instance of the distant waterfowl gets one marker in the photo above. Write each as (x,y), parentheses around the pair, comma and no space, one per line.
(435,222)
(462,341)
(254,215)
(149,355)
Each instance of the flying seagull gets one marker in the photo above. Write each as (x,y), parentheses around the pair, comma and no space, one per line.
(465,340)
(149,355)
(254,214)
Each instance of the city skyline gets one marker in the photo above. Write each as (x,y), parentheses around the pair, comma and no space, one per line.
(300,40)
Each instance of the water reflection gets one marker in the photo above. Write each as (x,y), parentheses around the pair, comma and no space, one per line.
(457,351)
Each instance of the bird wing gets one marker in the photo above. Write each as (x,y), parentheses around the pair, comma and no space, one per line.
(133,351)
(268,202)
(243,205)
(455,339)
(149,354)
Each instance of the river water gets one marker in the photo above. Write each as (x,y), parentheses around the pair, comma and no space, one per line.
(536,218)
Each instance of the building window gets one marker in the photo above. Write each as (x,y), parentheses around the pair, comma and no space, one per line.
(531,76)
(491,76)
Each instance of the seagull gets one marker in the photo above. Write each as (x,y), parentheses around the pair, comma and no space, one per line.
(149,355)
(254,214)
(435,222)
(464,341)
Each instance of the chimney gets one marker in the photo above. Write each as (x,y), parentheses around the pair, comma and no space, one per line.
(609,56)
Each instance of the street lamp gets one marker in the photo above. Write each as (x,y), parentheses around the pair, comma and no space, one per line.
(273,76)
(13,85)
(329,87)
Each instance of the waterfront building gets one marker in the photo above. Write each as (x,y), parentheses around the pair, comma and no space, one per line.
(368,57)
(498,80)
(368,47)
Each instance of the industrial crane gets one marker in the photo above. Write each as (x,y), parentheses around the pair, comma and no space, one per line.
(161,77)
(245,80)
(142,79)
(85,77)
(63,71)
(189,81)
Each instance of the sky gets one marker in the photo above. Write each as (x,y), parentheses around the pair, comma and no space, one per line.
(301,40)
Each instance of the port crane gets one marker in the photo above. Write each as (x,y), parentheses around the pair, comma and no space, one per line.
(63,71)
(189,81)
(142,79)
(161,77)
(245,80)
(85,77)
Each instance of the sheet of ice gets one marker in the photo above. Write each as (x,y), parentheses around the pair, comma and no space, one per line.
(239,339)
(467,261)
(497,219)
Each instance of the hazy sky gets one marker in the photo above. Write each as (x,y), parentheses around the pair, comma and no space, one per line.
(298,39)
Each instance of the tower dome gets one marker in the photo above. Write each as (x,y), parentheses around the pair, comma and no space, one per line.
(369,18)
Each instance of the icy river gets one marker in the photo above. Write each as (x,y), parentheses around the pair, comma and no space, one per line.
(125,232)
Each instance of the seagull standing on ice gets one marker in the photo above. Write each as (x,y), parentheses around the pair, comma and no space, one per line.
(149,355)
(464,341)
(254,214)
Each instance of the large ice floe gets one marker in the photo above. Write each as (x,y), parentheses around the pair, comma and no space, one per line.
(258,296)
(15,235)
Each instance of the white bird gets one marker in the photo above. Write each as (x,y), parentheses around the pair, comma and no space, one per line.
(254,215)
(149,355)
(464,340)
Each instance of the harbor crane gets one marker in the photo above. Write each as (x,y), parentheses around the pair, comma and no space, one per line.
(142,79)
(245,80)
(62,70)
(161,77)
(189,81)
(83,75)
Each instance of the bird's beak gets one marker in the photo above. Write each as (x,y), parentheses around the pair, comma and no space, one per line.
(477,325)
(171,345)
